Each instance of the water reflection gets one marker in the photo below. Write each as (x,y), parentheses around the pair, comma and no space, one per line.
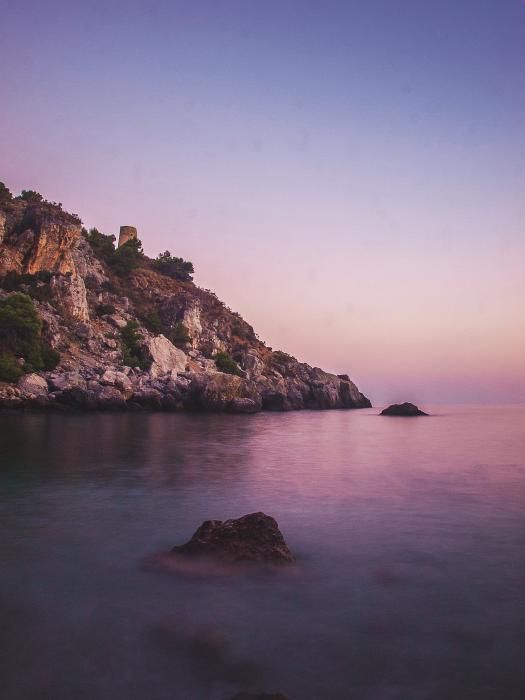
(410,536)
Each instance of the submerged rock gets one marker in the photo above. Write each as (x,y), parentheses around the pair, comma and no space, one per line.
(252,538)
(403,409)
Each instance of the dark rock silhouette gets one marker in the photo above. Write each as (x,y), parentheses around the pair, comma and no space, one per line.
(252,538)
(403,409)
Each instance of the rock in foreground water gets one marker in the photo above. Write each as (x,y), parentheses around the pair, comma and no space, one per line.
(252,538)
(403,409)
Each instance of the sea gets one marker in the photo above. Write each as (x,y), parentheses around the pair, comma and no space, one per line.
(408,534)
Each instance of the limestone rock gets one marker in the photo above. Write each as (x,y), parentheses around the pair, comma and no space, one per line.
(33,384)
(252,538)
(119,380)
(69,292)
(165,356)
(245,406)
(3,219)
(403,409)
(218,391)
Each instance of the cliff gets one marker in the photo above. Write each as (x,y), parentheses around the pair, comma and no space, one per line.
(117,330)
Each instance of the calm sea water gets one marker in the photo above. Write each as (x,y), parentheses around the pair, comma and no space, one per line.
(410,535)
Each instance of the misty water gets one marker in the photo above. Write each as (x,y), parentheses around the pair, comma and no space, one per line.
(409,536)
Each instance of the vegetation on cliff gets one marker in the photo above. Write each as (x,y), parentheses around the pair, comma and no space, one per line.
(22,348)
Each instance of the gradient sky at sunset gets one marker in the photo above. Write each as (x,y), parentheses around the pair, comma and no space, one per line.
(348,175)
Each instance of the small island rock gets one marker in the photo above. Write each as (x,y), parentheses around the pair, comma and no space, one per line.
(403,409)
(252,538)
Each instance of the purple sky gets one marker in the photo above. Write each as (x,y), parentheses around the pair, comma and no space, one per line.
(347,175)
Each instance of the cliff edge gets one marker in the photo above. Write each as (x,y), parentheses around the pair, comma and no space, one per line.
(88,325)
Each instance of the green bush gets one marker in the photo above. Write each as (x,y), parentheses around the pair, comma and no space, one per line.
(50,358)
(174,267)
(132,355)
(10,370)
(225,363)
(152,322)
(21,336)
(105,309)
(282,357)
(37,286)
(103,246)
(31,196)
(5,194)
(127,257)
(179,336)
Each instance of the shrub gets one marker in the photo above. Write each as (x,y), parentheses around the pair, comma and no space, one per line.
(132,355)
(225,363)
(103,246)
(179,336)
(5,194)
(283,357)
(21,336)
(31,196)
(50,358)
(105,309)
(10,370)
(127,257)
(174,267)
(152,322)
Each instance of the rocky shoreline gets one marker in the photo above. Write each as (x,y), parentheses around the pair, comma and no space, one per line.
(122,389)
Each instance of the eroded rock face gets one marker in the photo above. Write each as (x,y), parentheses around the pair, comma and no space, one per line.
(69,292)
(253,538)
(165,356)
(403,409)
(220,392)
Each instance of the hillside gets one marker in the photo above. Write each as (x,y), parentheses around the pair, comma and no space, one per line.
(87,325)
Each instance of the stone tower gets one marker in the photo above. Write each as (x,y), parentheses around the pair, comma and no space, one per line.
(127,233)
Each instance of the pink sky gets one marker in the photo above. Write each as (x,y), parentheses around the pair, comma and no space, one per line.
(349,178)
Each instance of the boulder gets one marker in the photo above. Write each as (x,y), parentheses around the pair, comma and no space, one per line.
(403,409)
(66,381)
(118,379)
(245,406)
(148,398)
(108,397)
(252,538)
(33,385)
(165,357)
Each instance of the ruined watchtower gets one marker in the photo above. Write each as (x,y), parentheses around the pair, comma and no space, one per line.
(127,233)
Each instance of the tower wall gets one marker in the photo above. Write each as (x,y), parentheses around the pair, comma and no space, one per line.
(127,233)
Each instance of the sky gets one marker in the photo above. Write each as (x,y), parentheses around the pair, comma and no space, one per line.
(348,175)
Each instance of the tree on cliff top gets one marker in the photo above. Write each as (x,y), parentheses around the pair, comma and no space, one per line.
(31,196)
(174,267)
(5,194)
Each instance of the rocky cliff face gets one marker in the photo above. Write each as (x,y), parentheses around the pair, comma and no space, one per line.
(140,338)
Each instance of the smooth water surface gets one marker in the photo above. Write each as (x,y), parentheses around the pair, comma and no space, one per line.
(409,534)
